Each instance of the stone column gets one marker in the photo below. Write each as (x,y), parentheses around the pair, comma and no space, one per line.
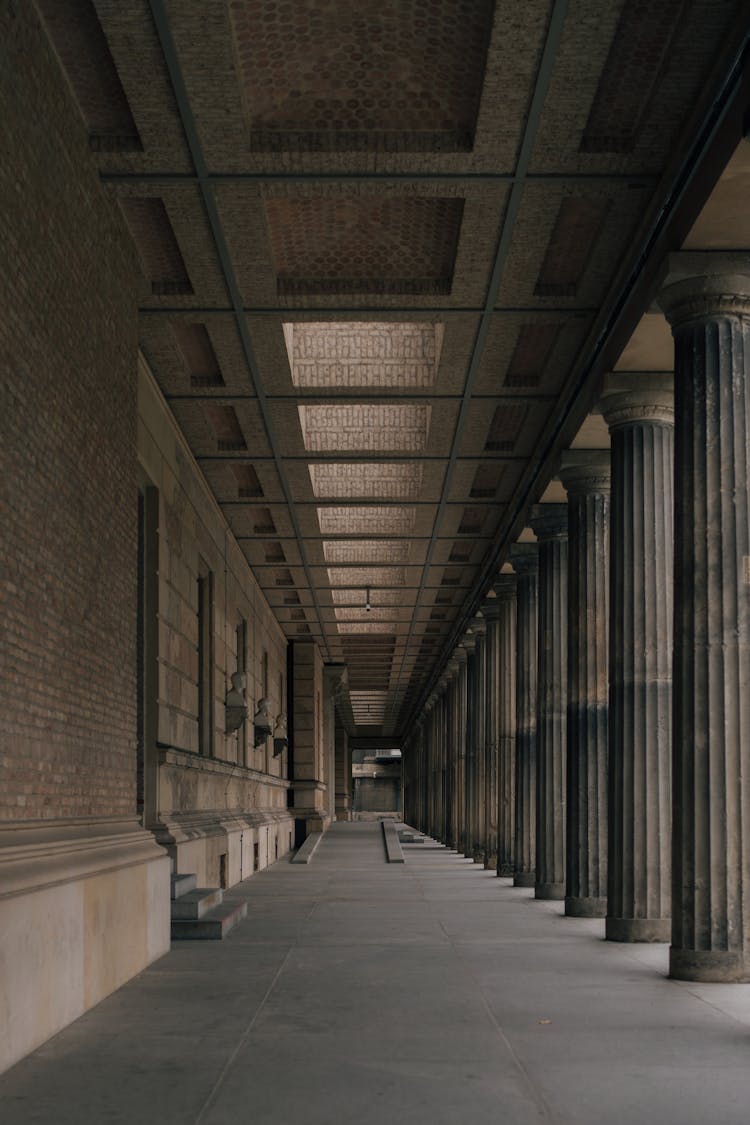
(550,523)
(469,645)
(505,602)
(524,558)
(460,658)
(586,478)
(479,631)
(491,718)
(708,306)
(640,413)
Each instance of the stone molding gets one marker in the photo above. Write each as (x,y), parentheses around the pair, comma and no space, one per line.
(585,471)
(41,854)
(186,759)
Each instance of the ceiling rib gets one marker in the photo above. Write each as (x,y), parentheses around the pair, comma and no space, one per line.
(544,74)
(187,119)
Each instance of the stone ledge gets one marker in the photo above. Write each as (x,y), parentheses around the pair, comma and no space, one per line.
(308,849)
(393,851)
(186,759)
(39,854)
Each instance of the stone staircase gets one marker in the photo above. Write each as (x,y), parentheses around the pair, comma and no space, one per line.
(201,913)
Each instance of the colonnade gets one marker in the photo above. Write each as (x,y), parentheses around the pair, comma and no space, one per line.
(590,736)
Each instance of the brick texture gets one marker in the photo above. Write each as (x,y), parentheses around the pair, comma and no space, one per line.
(68,352)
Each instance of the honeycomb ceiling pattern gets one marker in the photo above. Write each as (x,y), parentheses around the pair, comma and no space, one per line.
(321,76)
(382,245)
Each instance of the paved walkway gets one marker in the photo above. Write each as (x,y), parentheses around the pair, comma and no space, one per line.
(418,994)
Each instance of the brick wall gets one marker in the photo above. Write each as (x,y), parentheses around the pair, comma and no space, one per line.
(68,352)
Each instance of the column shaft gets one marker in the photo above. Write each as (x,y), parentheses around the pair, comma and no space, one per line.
(585,475)
(525,563)
(505,589)
(550,522)
(710,318)
(640,700)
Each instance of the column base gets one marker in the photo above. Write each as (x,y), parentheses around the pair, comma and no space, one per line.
(549,890)
(638,929)
(478,857)
(524,879)
(505,870)
(718,965)
(490,862)
(585,907)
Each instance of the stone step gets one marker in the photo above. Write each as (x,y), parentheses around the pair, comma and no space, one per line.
(181,884)
(213,926)
(194,904)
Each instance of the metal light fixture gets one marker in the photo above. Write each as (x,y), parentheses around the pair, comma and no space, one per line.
(368,607)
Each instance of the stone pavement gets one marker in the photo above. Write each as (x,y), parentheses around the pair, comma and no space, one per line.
(428,992)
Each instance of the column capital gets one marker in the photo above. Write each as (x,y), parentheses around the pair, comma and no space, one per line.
(478,625)
(469,643)
(505,591)
(524,558)
(585,472)
(491,609)
(460,655)
(549,521)
(698,285)
(631,397)
(505,586)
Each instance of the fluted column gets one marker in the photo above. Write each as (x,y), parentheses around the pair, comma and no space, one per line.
(451,742)
(492,693)
(524,558)
(640,413)
(505,603)
(469,645)
(478,629)
(461,697)
(550,523)
(708,306)
(586,477)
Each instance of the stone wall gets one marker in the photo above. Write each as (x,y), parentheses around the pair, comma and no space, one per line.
(210,800)
(84,890)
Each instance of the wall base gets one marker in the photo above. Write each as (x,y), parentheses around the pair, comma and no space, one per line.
(84,907)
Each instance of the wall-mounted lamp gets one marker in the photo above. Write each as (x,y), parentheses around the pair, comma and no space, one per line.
(262,721)
(234,705)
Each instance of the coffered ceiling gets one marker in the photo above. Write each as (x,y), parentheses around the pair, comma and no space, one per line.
(389,250)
